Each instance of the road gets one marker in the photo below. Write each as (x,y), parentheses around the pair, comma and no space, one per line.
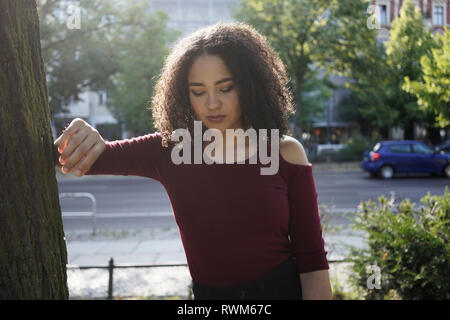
(140,203)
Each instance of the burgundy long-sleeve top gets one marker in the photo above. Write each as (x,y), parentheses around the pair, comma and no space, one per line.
(235,223)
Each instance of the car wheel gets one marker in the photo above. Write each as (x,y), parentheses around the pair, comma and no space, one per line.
(386,172)
(447,171)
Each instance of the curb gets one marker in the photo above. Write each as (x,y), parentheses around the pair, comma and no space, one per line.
(331,166)
(337,166)
(71,177)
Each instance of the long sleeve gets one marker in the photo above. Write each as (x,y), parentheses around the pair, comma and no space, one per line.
(140,156)
(305,228)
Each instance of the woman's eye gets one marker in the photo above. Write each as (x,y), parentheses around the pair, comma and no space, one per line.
(227,89)
(197,94)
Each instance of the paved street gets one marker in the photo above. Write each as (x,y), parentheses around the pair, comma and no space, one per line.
(135,202)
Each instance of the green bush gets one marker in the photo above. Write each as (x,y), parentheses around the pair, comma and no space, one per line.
(339,292)
(352,150)
(410,247)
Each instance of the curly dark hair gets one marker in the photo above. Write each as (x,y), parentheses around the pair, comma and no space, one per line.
(260,76)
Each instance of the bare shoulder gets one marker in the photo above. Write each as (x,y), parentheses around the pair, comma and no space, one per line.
(292,151)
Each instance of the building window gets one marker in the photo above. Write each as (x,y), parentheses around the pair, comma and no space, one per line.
(101,98)
(382,14)
(438,15)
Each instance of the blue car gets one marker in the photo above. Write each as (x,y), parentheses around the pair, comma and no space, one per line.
(444,147)
(404,156)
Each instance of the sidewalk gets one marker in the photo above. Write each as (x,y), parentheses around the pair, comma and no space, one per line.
(160,246)
(153,247)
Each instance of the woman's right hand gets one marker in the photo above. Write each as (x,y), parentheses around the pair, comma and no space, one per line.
(79,145)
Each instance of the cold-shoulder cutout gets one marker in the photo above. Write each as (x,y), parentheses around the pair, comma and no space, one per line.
(293,153)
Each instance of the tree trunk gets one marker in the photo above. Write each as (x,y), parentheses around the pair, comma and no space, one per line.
(409,131)
(33,254)
(434,135)
(298,130)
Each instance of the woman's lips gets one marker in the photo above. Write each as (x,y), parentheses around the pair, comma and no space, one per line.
(216,118)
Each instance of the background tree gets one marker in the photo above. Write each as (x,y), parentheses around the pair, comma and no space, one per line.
(32,245)
(295,29)
(334,36)
(349,109)
(118,48)
(77,59)
(432,91)
(353,51)
(409,41)
(316,92)
(376,70)
(141,49)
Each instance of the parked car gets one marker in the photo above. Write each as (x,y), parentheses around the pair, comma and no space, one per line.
(404,156)
(444,147)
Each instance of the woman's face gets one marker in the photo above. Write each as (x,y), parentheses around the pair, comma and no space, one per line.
(212,92)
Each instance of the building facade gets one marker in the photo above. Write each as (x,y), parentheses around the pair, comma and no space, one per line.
(92,108)
(436,14)
(189,15)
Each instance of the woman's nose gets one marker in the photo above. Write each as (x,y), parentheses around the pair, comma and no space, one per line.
(213,101)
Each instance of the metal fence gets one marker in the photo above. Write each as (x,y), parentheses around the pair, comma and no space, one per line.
(111,266)
(92,213)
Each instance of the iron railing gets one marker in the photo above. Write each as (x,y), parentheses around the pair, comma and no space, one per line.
(92,213)
(111,266)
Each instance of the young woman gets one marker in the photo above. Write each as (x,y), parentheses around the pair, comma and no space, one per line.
(245,235)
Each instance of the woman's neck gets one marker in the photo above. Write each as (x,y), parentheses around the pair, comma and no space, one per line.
(234,146)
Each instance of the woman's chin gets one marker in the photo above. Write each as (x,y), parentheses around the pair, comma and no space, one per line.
(216,126)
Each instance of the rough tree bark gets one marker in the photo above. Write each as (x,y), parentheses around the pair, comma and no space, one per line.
(32,244)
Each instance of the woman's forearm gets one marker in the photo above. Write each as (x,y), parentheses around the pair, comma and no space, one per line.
(316,285)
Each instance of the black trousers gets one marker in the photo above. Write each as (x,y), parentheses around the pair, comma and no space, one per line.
(282,283)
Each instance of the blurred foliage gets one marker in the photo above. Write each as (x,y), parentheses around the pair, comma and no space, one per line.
(409,245)
(300,31)
(121,46)
(335,36)
(315,93)
(339,293)
(377,70)
(409,41)
(354,52)
(147,45)
(104,54)
(432,91)
(354,148)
